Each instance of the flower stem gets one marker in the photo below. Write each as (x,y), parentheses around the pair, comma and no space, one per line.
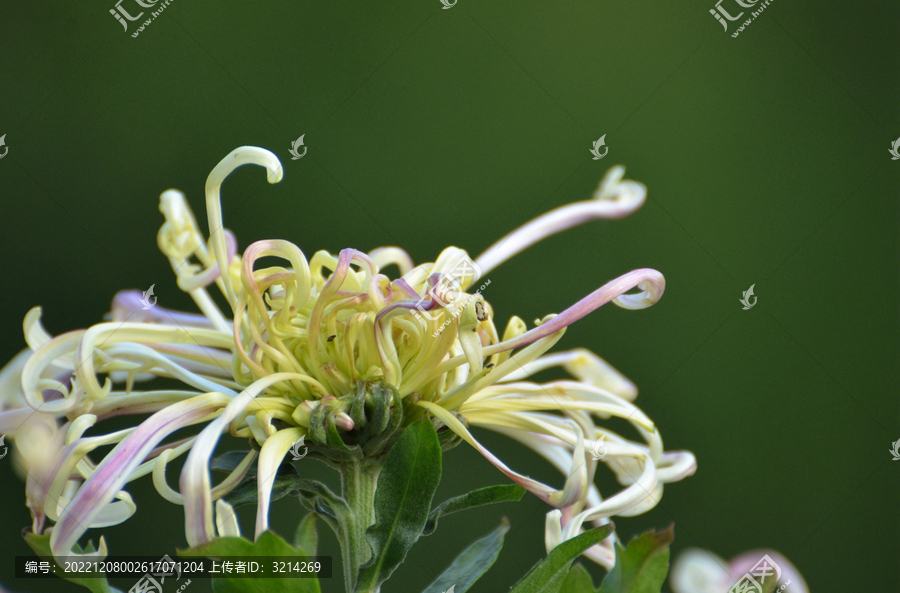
(358,480)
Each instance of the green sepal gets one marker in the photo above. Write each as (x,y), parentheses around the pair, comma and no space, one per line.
(323,431)
(386,416)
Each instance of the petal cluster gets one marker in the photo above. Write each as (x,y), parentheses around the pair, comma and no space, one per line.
(295,342)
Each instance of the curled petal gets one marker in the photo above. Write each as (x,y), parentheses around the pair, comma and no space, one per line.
(674,466)
(202,279)
(42,359)
(651,283)
(226,486)
(614,198)
(634,495)
(238,157)
(386,256)
(179,239)
(283,249)
(577,480)
(111,333)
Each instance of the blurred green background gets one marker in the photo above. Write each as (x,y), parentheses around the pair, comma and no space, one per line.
(766,158)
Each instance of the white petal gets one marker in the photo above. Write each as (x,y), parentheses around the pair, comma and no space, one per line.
(226,520)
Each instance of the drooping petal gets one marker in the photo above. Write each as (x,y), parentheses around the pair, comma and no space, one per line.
(270,458)
(585,366)
(195,478)
(115,469)
(539,489)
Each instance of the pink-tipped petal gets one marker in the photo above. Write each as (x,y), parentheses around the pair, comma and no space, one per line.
(539,489)
(651,283)
(613,199)
(113,472)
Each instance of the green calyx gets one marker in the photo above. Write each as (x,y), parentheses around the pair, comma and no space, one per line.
(365,423)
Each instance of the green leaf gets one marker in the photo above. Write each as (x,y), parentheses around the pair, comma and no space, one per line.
(473,562)
(306,537)
(548,575)
(642,566)
(475,498)
(41,546)
(268,544)
(403,495)
(578,581)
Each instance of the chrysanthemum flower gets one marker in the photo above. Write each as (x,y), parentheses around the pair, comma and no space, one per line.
(332,350)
